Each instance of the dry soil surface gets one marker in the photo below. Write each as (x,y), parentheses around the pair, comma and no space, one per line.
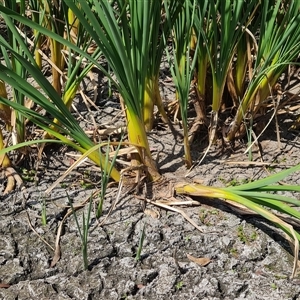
(244,257)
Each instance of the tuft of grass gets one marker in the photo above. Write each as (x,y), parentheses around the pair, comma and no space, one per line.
(44,212)
(179,285)
(233,252)
(106,172)
(83,230)
(141,242)
(273,286)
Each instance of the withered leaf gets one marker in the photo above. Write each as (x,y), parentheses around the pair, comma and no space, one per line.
(202,261)
(153,213)
(56,256)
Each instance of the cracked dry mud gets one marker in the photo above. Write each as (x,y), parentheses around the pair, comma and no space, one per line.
(248,257)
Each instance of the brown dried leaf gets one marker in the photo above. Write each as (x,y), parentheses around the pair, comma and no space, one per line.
(140,286)
(56,256)
(150,212)
(10,181)
(4,285)
(202,261)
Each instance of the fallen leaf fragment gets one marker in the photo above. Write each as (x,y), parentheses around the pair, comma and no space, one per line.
(153,213)
(56,256)
(4,286)
(140,286)
(202,261)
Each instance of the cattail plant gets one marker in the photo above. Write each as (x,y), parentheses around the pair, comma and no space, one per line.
(37,17)
(54,16)
(203,33)
(278,46)
(67,130)
(228,19)
(183,67)
(125,34)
